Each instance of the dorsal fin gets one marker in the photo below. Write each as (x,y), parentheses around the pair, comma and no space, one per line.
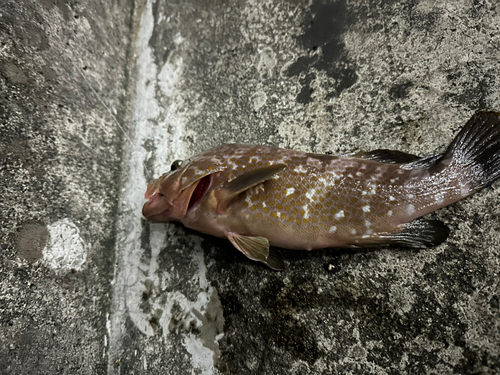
(423,163)
(241,183)
(387,156)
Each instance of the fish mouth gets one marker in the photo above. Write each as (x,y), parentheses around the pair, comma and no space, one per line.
(156,209)
(159,209)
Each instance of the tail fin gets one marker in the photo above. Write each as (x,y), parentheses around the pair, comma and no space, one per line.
(476,150)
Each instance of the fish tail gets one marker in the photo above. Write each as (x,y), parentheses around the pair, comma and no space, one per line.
(475,151)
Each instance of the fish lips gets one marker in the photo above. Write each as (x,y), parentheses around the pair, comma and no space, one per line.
(160,209)
(157,208)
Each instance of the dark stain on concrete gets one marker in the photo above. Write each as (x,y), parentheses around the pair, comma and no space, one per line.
(324,25)
(31,241)
(400,90)
(285,330)
(473,95)
(273,317)
(161,39)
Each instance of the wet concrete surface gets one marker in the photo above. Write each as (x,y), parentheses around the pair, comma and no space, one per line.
(98,99)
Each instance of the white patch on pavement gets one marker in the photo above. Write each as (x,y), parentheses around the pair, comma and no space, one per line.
(66,250)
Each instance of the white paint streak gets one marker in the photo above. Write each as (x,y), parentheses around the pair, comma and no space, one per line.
(169,77)
(66,250)
(137,268)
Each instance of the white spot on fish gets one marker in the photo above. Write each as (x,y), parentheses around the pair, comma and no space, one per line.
(264,204)
(393,180)
(300,169)
(366,208)
(464,189)
(410,209)
(323,180)
(289,191)
(391,198)
(279,214)
(335,175)
(310,194)
(359,174)
(389,213)
(332,229)
(353,231)
(368,223)
(364,192)
(313,162)
(439,199)
(411,196)
(306,211)
(369,232)
(339,215)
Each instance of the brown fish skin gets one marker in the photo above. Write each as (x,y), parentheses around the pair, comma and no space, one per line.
(261,195)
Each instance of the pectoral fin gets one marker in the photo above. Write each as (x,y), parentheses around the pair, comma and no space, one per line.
(257,248)
(247,180)
(416,234)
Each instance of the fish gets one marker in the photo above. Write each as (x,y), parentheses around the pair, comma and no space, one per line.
(262,197)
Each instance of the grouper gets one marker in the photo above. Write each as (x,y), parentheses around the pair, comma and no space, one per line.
(257,196)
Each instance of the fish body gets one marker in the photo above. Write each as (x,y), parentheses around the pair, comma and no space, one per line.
(258,196)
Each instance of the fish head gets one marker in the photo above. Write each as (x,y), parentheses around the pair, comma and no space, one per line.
(175,193)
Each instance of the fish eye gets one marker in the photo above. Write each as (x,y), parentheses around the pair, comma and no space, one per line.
(176,165)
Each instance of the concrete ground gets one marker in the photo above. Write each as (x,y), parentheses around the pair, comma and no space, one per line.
(98,98)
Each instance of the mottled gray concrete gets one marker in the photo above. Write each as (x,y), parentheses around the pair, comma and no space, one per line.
(328,76)
(63,76)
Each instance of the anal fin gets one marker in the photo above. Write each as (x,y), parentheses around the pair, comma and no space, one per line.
(257,248)
(417,234)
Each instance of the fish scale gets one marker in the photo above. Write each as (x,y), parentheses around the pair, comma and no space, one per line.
(257,196)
